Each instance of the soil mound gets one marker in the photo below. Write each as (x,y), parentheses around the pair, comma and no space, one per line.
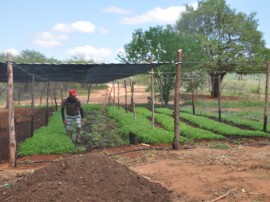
(84,177)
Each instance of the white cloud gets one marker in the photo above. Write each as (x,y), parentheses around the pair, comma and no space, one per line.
(103,30)
(157,15)
(47,40)
(79,26)
(89,52)
(115,9)
(13,51)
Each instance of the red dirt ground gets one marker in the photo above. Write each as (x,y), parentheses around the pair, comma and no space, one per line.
(145,173)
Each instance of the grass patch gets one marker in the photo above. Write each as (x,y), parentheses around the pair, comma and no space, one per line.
(218,145)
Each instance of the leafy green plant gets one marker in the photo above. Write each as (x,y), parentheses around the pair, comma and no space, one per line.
(219,145)
(221,128)
(48,140)
(186,130)
(140,126)
(236,118)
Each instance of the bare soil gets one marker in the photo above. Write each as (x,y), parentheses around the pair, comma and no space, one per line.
(194,173)
(143,173)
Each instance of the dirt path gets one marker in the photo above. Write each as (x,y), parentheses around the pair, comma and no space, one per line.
(241,173)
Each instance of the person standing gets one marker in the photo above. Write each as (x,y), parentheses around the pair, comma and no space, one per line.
(74,112)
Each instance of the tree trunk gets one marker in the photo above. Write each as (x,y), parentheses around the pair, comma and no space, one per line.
(214,82)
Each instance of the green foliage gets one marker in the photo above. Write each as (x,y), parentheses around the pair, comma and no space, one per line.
(79,60)
(229,37)
(51,139)
(160,44)
(231,40)
(167,123)
(215,126)
(219,145)
(100,130)
(89,107)
(32,56)
(140,126)
(231,117)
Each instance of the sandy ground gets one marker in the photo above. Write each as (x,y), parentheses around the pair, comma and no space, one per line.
(240,173)
(196,173)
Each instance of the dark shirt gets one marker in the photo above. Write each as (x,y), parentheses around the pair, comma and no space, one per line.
(73,107)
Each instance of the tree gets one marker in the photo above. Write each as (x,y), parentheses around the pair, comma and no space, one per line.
(32,56)
(159,44)
(231,40)
(79,60)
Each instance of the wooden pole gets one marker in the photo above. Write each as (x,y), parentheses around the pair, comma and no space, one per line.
(192,92)
(62,94)
(131,96)
(110,95)
(89,91)
(219,97)
(259,90)
(54,97)
(125,82)
(152,98)
(176,102)
(132,99)
(33,106)
(266,98)
(47,105)
(11,122)
(113,93)
(118,95)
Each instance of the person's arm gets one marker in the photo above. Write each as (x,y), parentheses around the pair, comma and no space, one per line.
(63,110)
(63,113)
(82,112)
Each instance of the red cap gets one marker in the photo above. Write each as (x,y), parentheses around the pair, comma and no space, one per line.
(72,92)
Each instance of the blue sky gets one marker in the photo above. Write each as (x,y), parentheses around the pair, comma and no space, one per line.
(95,29)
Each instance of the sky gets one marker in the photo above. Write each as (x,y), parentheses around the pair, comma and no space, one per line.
(95,29)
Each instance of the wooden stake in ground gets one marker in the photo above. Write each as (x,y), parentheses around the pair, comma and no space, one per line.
(62,97)
(192,93)
(110,95)
(118,103)
(11,122)
(33,106)
(89,90)
(55,98)
(47,105)
(152,98)
(176,102)
(266,98)
(125,82)
(132,99)
(219,97)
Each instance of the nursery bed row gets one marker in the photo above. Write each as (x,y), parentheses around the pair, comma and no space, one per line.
(212,125)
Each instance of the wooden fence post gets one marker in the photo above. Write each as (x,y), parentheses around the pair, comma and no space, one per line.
(62,95)
(11,122)
(132,99)
(192,94)
(47,105)
(126,106)
(33,106)
(89,91)
(266,97)
(176,102)
(219,97)
(118,102)
(152,98)
(113,93)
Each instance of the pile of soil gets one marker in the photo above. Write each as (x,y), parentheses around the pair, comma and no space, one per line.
(84,177)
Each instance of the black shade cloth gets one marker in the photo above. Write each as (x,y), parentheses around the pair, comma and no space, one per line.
(81,73)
